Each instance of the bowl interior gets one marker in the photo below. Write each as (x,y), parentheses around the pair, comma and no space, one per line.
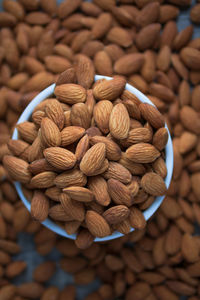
(147,213)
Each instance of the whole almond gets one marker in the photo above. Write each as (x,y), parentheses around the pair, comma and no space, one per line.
(79,193)
(50,133)
(71,134)
(109,89)
(149,14)
(161,92)
(152,115)
(102,111)
(27,131)
(129,63)
(80,115)
(187,142)
(153,184)
(15,268)
(113,151)
(55,112)
(60,158)
(17,147)
(74,208)
(191,58)
(119,36)
(167,13)
(136,218)
(17,168)
(190,119)
(57,213)
(53,193)
(119,122)
(116,214)
(142,153)
(70,178)
(93,159)
(101,26)
(160,138)
(190,248)
(138,135)
(119,192)
(67,76)
(103,63)
(82,147)
(164,58)
(134,168)
(173,240)
(183,37)
(70,93)
(39,206)
(118,172)
(159,167)
(97,225)
(146,38)
(56,63)
(65,8)
(84,70)
(98,186)
(194,14)
(30,288)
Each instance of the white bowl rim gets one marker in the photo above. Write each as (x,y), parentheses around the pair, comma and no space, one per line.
(147,213)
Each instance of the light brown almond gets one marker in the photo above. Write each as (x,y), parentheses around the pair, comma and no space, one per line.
(97,225)
(102,111)
(70,93)
(142,153)
(39,206)
(55,112)
(118,172)
(119,192)
(113,151)
(119,122)
(17,168)
(71,134)
(116,214)
(50,133)
(73,208)
(60,158)
(99,188)
(136,218)
(79,193)
(70,178)
(109,89)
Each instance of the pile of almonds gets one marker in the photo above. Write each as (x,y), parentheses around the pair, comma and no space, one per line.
(138,39)
(100,163)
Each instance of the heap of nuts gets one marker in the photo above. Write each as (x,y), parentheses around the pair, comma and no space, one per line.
(140,40)
(93,158)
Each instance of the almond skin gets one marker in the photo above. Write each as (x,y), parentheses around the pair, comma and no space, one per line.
(82,147)
(70,178)
(129,63)
(97,225)
(50,133)
(101,26)
(60,158)
(74,208)
(80,115)
(93,159)
(136,218)
(119,36)
(79,193)
(160,138)
(153,184)
(119,192)
(70,93)
(99,188)
(142,153)
(84,70)
(116,214)
(117,171)
(27,131)
(39,206)
(119,122)
(17,168)
(152,115)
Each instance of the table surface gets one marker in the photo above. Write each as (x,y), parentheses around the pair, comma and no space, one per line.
(29,254)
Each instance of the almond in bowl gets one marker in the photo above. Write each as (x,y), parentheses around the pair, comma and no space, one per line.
(92,157)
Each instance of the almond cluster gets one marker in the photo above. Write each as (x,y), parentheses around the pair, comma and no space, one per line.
(92,158)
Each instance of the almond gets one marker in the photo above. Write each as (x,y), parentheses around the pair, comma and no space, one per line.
(60,158)
(129,63)
(93,159)
(73,208)
(71,134)
(161,92)
(82,147)
(116,214)
(57,213)
(43,180)
(167,13)
(119,122)
(102,111)
(39,206)
(134,168)
(99,188)
(153,184)
(147,36)
(179,67)
(55,112)
(7,19)
(109,89)
(113,151)
(103,63)
(90,101)
(80,115)
(67,76)
(159,167)
(118,172)
(70,178)
(50,133)
(136,218)
(79,193)
(84,70)
(17,168)
(183,37)
(169,34)
(190,119)
(194,14)
(37,18)
(191,58)
(160,138)
(17,147)
(173,240)
(187,142)
(164,58)
(15,268)
(65,8)
(119,36)
(149,14)
(142,153)
(97,225)
(30,288)
(101,26)
(119,192)
(138,135)
(70,93)
(84,240)
(27,131)
(53,193)
(152,115)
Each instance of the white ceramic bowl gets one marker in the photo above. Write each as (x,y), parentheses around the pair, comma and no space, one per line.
(25,116)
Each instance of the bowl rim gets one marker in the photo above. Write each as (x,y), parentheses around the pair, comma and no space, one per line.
(169,160)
